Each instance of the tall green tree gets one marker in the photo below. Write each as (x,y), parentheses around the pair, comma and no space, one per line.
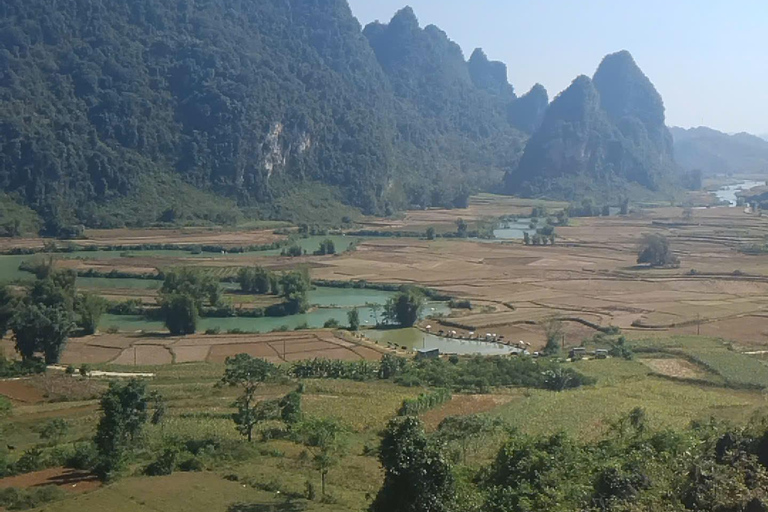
(353,318)
(249,374)
(294,286)
(417,475)
(405,307)
(124,412)
(326,438)
(90,308)
(38,328)
(180,311)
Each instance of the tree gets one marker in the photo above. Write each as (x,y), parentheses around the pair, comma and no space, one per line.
(248,373)
(375,307)
(606,211)
(405,307)
(201,287)
(430,233)
(417,475)
(654,250)
(255,280)
(294,287)
(553,328)
(180,311)
(290,407)
(467,431)
(124,412)
(8,303)
(326,440)
(40,328)
(353,317)
(90,308)
(624,209)
(54,430)
(327,247)
(461,228)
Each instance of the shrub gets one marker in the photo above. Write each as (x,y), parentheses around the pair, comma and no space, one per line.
(13,498)
(165,463)
(84,457)
(331,323)
(424,402)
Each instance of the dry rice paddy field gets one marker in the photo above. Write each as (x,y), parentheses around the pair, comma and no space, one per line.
(699,333)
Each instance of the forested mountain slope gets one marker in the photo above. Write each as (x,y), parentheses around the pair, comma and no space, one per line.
(601,134)
(715,152)
(103,102)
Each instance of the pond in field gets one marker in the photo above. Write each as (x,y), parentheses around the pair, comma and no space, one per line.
(314,319)
(730,192)
(511,230)
(416,339)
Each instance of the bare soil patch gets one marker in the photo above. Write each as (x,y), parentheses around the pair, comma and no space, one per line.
(678,368)
(464,405)
(70,480)
(22,391)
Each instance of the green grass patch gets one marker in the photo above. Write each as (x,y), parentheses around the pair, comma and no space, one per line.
(715,355)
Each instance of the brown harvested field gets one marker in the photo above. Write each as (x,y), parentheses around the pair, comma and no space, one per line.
(590,275)
(160,349)
(674,367)
(21,390)
(464,405)
(70,480)
(184,236)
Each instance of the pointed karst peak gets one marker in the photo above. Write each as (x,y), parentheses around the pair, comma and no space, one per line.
(478,56)
(625,91)
(576,103)
(405,18)
(527,112)
(489,75)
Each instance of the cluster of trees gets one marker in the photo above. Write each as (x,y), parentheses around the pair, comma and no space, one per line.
(706,467)
(187,294)
(478,374)
(251,100)
(325,438)
(654,250)
(45,314)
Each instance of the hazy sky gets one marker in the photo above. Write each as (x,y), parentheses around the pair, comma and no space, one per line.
(707,58)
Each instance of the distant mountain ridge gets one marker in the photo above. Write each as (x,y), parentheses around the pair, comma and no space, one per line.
(715,152)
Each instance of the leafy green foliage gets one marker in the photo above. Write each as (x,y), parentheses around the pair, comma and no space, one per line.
(654,250)
(294,286)
(255,280)
(249,373)
(424,402)
(632,468)
(405,307)
(180,313)
(326,439)
(353,318)
(124,411)
(326,247)
(90,308)
(417,474)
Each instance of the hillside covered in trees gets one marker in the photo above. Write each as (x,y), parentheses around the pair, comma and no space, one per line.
(601,134)
(715,152)
(146,111)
